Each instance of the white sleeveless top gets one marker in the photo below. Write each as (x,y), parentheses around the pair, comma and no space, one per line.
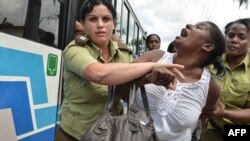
(176,113)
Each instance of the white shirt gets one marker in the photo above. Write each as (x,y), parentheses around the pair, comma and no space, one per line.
(176,113)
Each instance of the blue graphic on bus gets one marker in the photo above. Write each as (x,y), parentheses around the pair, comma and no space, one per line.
(31,65)
(14,94)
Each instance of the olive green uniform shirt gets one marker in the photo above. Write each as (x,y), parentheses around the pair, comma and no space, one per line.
(235,89)
(84,101)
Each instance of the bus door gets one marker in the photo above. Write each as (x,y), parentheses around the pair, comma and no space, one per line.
(33,34)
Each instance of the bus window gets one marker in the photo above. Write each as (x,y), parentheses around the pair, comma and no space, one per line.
(42,21)
(37,20)
(131,32)
(124,31)
(118,6)
(12,16)
(49,22)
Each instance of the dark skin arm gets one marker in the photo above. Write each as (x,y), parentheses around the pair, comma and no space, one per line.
(234,115)
(151,56)
(237,115)
(213,96)
(159,76)
(212,100)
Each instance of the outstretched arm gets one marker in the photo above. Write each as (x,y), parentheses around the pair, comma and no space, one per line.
(118,73)
(78,60)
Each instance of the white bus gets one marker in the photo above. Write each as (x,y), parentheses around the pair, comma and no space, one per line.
(33,34)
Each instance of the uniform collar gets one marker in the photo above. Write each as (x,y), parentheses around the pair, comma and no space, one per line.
(96,52)
(245,62)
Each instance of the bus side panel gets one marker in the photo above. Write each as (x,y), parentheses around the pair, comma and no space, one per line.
(29,89)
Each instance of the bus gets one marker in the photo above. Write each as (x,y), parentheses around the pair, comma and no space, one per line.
(33,34)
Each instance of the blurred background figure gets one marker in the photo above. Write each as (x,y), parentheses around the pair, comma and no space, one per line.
(153,41)
(78,28)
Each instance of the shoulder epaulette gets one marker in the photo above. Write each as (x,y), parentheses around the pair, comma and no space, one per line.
(81,40)
(123,46)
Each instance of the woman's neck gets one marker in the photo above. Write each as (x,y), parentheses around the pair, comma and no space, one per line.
(188,61)
(192,68)
(233,61)
(105,52)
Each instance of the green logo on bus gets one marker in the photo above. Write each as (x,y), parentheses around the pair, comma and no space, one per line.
(52,65)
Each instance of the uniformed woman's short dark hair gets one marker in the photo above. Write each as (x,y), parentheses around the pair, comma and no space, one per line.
(88,6)
(244,21)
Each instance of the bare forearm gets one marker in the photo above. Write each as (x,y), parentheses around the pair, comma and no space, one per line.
(117,73)
(239,116)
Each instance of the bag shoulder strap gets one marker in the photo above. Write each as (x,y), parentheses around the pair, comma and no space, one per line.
(145,103)
(111,97)
(131,106)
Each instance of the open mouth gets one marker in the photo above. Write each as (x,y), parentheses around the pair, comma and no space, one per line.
(184,32)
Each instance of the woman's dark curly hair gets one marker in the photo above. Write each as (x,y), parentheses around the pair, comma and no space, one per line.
(218,40)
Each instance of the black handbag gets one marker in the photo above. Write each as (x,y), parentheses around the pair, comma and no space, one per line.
(123,127)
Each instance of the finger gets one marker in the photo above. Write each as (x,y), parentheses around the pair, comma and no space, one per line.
(171,83)
(170,66)
(172,86)
(177,72)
